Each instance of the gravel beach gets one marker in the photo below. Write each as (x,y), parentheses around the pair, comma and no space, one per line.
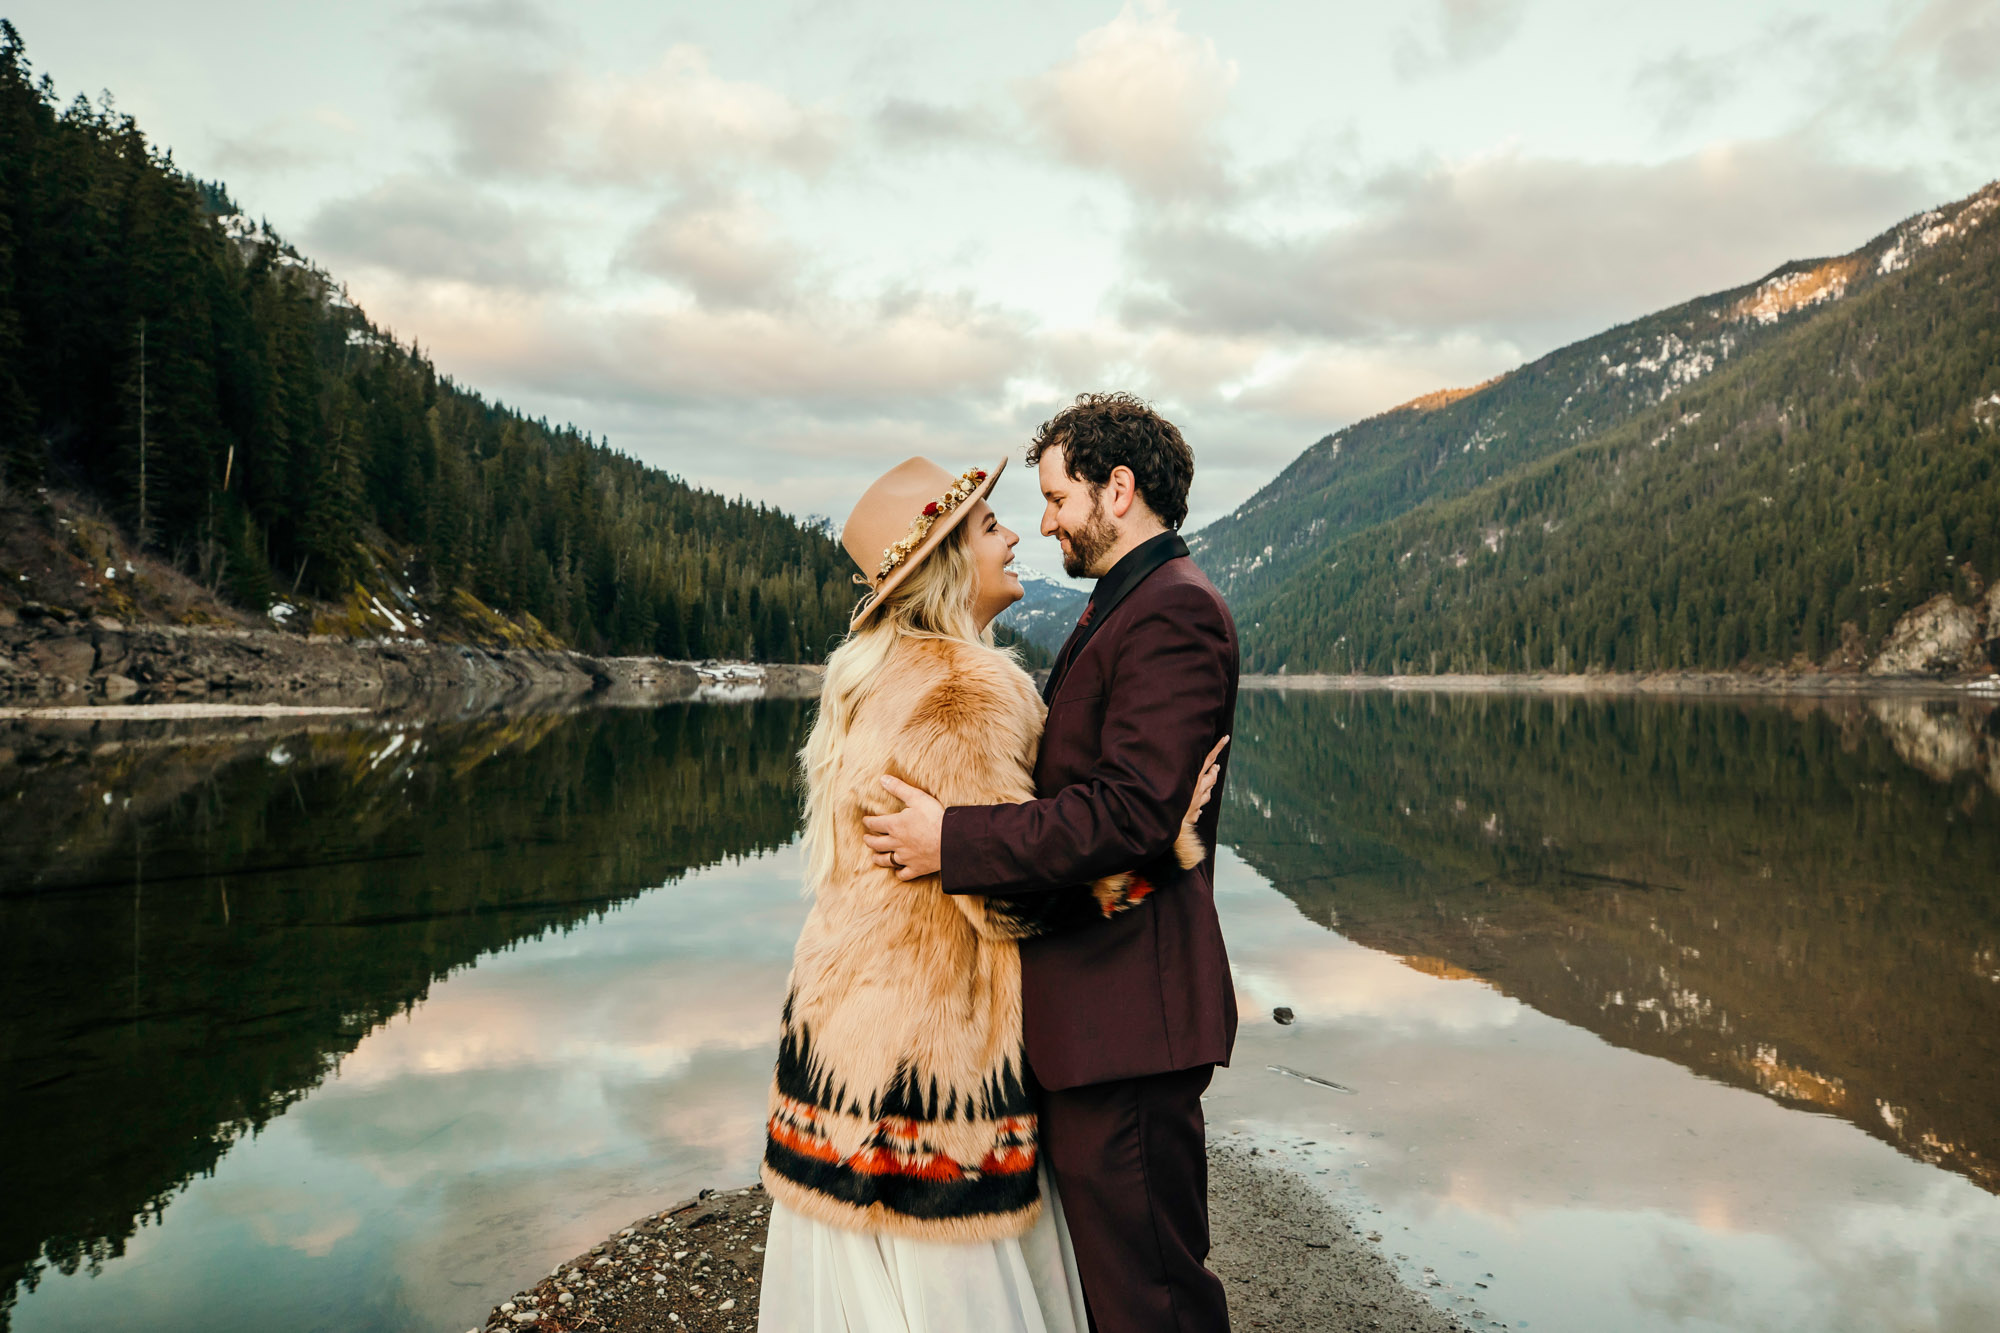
(1289,1259)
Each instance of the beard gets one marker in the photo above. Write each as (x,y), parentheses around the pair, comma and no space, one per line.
(1083,547)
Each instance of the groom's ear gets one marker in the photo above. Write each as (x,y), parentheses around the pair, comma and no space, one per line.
(1121,489)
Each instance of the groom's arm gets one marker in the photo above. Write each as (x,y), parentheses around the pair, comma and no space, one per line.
(1169,694)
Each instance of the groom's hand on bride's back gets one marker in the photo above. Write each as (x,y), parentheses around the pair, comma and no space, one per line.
(907,840)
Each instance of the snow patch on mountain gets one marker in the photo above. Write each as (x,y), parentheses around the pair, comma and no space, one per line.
(1774,298)
(1939,225)
(1047,610)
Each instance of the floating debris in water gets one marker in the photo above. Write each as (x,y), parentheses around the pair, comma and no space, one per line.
(1313,1079)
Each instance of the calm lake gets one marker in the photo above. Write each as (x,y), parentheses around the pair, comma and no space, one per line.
(1655,1014)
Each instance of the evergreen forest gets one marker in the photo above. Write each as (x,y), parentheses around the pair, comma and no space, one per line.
(221,397)
(1767,477)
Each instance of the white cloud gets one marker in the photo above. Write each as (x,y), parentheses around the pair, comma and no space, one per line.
(1344,382)
(774,264)
(1519,248)
(489,16)
(905,123)
(837,356)
(1687,87)
(1139,99)
(678,121)
(286,143)
(724,249)
(1944,64)
(432,229)
(1458,32)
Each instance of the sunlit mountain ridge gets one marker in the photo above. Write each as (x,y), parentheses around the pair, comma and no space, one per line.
(1774,474)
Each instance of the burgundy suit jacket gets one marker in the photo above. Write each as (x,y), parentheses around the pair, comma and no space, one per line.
(1147,991)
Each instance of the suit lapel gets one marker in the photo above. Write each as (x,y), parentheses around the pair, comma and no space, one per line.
(1113,588)
(1067,655)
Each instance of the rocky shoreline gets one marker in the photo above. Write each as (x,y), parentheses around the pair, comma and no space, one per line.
(55,658)
(1288,1258)
(1712,683)
(49,656)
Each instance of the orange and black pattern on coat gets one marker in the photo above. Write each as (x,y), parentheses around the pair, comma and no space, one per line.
(898,1167)
(1032,915)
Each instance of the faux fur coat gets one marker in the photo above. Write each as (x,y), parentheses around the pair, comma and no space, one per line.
(901,1102)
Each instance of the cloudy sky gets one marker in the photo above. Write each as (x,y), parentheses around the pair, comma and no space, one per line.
(778,246)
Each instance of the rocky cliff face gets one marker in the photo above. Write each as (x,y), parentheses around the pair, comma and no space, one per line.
(1942,637)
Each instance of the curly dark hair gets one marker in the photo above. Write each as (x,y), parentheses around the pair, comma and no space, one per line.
(1101,431)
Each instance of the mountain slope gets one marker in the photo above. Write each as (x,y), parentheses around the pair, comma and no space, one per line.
(1450,442)
(1047,610)
(1791,469)
(222,399)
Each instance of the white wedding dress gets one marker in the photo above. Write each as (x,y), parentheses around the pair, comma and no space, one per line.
(822,1279)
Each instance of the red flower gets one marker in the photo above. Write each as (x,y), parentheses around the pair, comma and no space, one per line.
(930,510)
(979,474)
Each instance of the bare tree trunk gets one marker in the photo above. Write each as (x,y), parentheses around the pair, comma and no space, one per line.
(145,519)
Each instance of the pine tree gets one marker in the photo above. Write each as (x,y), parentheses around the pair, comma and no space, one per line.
(284,434)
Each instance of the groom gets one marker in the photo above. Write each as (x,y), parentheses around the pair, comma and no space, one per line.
(1127,1017)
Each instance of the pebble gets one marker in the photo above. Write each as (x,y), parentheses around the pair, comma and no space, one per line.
(1339,1285)
(1284,1014)
(1349,1287)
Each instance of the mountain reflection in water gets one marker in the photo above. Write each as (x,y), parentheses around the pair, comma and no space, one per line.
(195,928)
(205,932)
(1801,899)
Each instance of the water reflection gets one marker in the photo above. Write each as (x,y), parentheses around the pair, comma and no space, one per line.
(1556,1181)
(1491,916)
(196,931)
(1799,900)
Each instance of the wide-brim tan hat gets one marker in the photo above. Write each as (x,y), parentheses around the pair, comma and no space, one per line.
(901,519)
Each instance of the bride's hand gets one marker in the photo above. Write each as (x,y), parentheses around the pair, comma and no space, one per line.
(1204,785)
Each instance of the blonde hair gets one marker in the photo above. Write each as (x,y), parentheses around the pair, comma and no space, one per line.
(933,602)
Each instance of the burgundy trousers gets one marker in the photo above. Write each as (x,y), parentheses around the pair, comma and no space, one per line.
(1130,1160)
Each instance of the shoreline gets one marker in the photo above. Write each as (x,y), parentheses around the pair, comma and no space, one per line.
(1716,684)
(86,667)
(1288,1257)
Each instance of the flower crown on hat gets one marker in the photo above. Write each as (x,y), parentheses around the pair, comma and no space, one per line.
(920,527)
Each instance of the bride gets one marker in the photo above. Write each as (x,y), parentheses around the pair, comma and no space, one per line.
(901,1153)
